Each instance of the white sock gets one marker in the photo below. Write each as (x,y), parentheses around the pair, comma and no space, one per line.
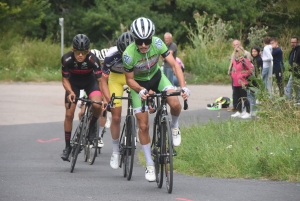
(100,130)
(115,144)
(147,153)
(174,123)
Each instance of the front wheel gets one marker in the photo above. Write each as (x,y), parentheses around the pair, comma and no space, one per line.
(156,153)
(78,136)
(130,145)
(167,150)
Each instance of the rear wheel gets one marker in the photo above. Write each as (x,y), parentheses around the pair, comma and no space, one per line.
(168,153)
(130,145)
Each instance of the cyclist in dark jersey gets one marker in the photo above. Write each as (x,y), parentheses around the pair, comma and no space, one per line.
(142,74)
(112,81)
(79,68)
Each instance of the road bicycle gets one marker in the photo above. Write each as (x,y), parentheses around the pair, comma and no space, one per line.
(80,140)
(127,142)
(162,149)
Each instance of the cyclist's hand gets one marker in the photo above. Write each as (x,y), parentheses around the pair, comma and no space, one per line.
(185,93)
(109,106)
(72,97)
(152,107)
(143,94)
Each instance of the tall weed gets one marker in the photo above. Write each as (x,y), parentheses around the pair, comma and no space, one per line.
(208,57)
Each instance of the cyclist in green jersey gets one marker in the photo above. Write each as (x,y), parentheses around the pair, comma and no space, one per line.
(143,73)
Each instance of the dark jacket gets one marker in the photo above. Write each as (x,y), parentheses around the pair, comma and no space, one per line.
(277,59)
(294,60)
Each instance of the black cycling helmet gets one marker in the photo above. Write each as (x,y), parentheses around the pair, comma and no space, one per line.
(81,42)
(124,40)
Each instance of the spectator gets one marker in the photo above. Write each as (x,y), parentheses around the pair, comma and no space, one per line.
(175,80)
(241,69)
(294,61)
(278,66)
(235,43)
(257,63)
(267,59)
(168,71)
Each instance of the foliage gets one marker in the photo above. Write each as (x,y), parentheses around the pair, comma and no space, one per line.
(256,35)
(207,57)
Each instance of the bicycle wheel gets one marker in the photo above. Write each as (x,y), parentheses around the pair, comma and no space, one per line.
(155,148)
(92,148)
(130,145)
(168,154)
(76,145)
(122,144)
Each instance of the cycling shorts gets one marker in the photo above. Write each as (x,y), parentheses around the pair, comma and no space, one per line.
(116,81)
(158,83)
(89,85)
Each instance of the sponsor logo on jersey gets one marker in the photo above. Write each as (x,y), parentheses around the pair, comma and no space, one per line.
(67,59)
(75,64)
(127,59)
(158,43)
(84,65)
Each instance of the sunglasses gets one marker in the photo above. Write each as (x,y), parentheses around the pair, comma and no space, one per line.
(147,41)
(237,51)
(83,52)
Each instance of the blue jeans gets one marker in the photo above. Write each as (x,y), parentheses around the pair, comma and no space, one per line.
(289,90)
(267,78)
(175,80)
(252,100)
(169,74)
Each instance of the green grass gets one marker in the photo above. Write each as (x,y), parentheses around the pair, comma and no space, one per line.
(239,149)
(267,147)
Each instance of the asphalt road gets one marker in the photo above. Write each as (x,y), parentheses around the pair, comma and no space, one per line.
(31,169)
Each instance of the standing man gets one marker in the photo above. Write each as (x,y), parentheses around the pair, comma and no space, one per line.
(235,44)
(172,47)
(278,67)
(79,68)
(294,61)
(142,74)
(267,59)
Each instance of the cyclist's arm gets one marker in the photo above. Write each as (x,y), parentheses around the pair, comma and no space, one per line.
(67,86)
(104,87)
(131,82)
(177,69)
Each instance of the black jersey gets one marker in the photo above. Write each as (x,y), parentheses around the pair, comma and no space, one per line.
(80,70)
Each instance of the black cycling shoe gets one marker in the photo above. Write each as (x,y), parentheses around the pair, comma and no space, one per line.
(66,153)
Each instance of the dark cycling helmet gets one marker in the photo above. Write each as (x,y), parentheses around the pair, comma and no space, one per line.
(81,42)
(124,40)
(142,28)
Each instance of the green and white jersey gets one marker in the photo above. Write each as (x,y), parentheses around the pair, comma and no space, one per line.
(144,65)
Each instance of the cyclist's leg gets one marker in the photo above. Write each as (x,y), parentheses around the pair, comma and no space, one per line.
(102,122)
(143,125)
(93,91)
(69,116)
(175,109)
(115,85)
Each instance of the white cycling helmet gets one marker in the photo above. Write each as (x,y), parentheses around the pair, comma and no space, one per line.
(142,28)
(100,54)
